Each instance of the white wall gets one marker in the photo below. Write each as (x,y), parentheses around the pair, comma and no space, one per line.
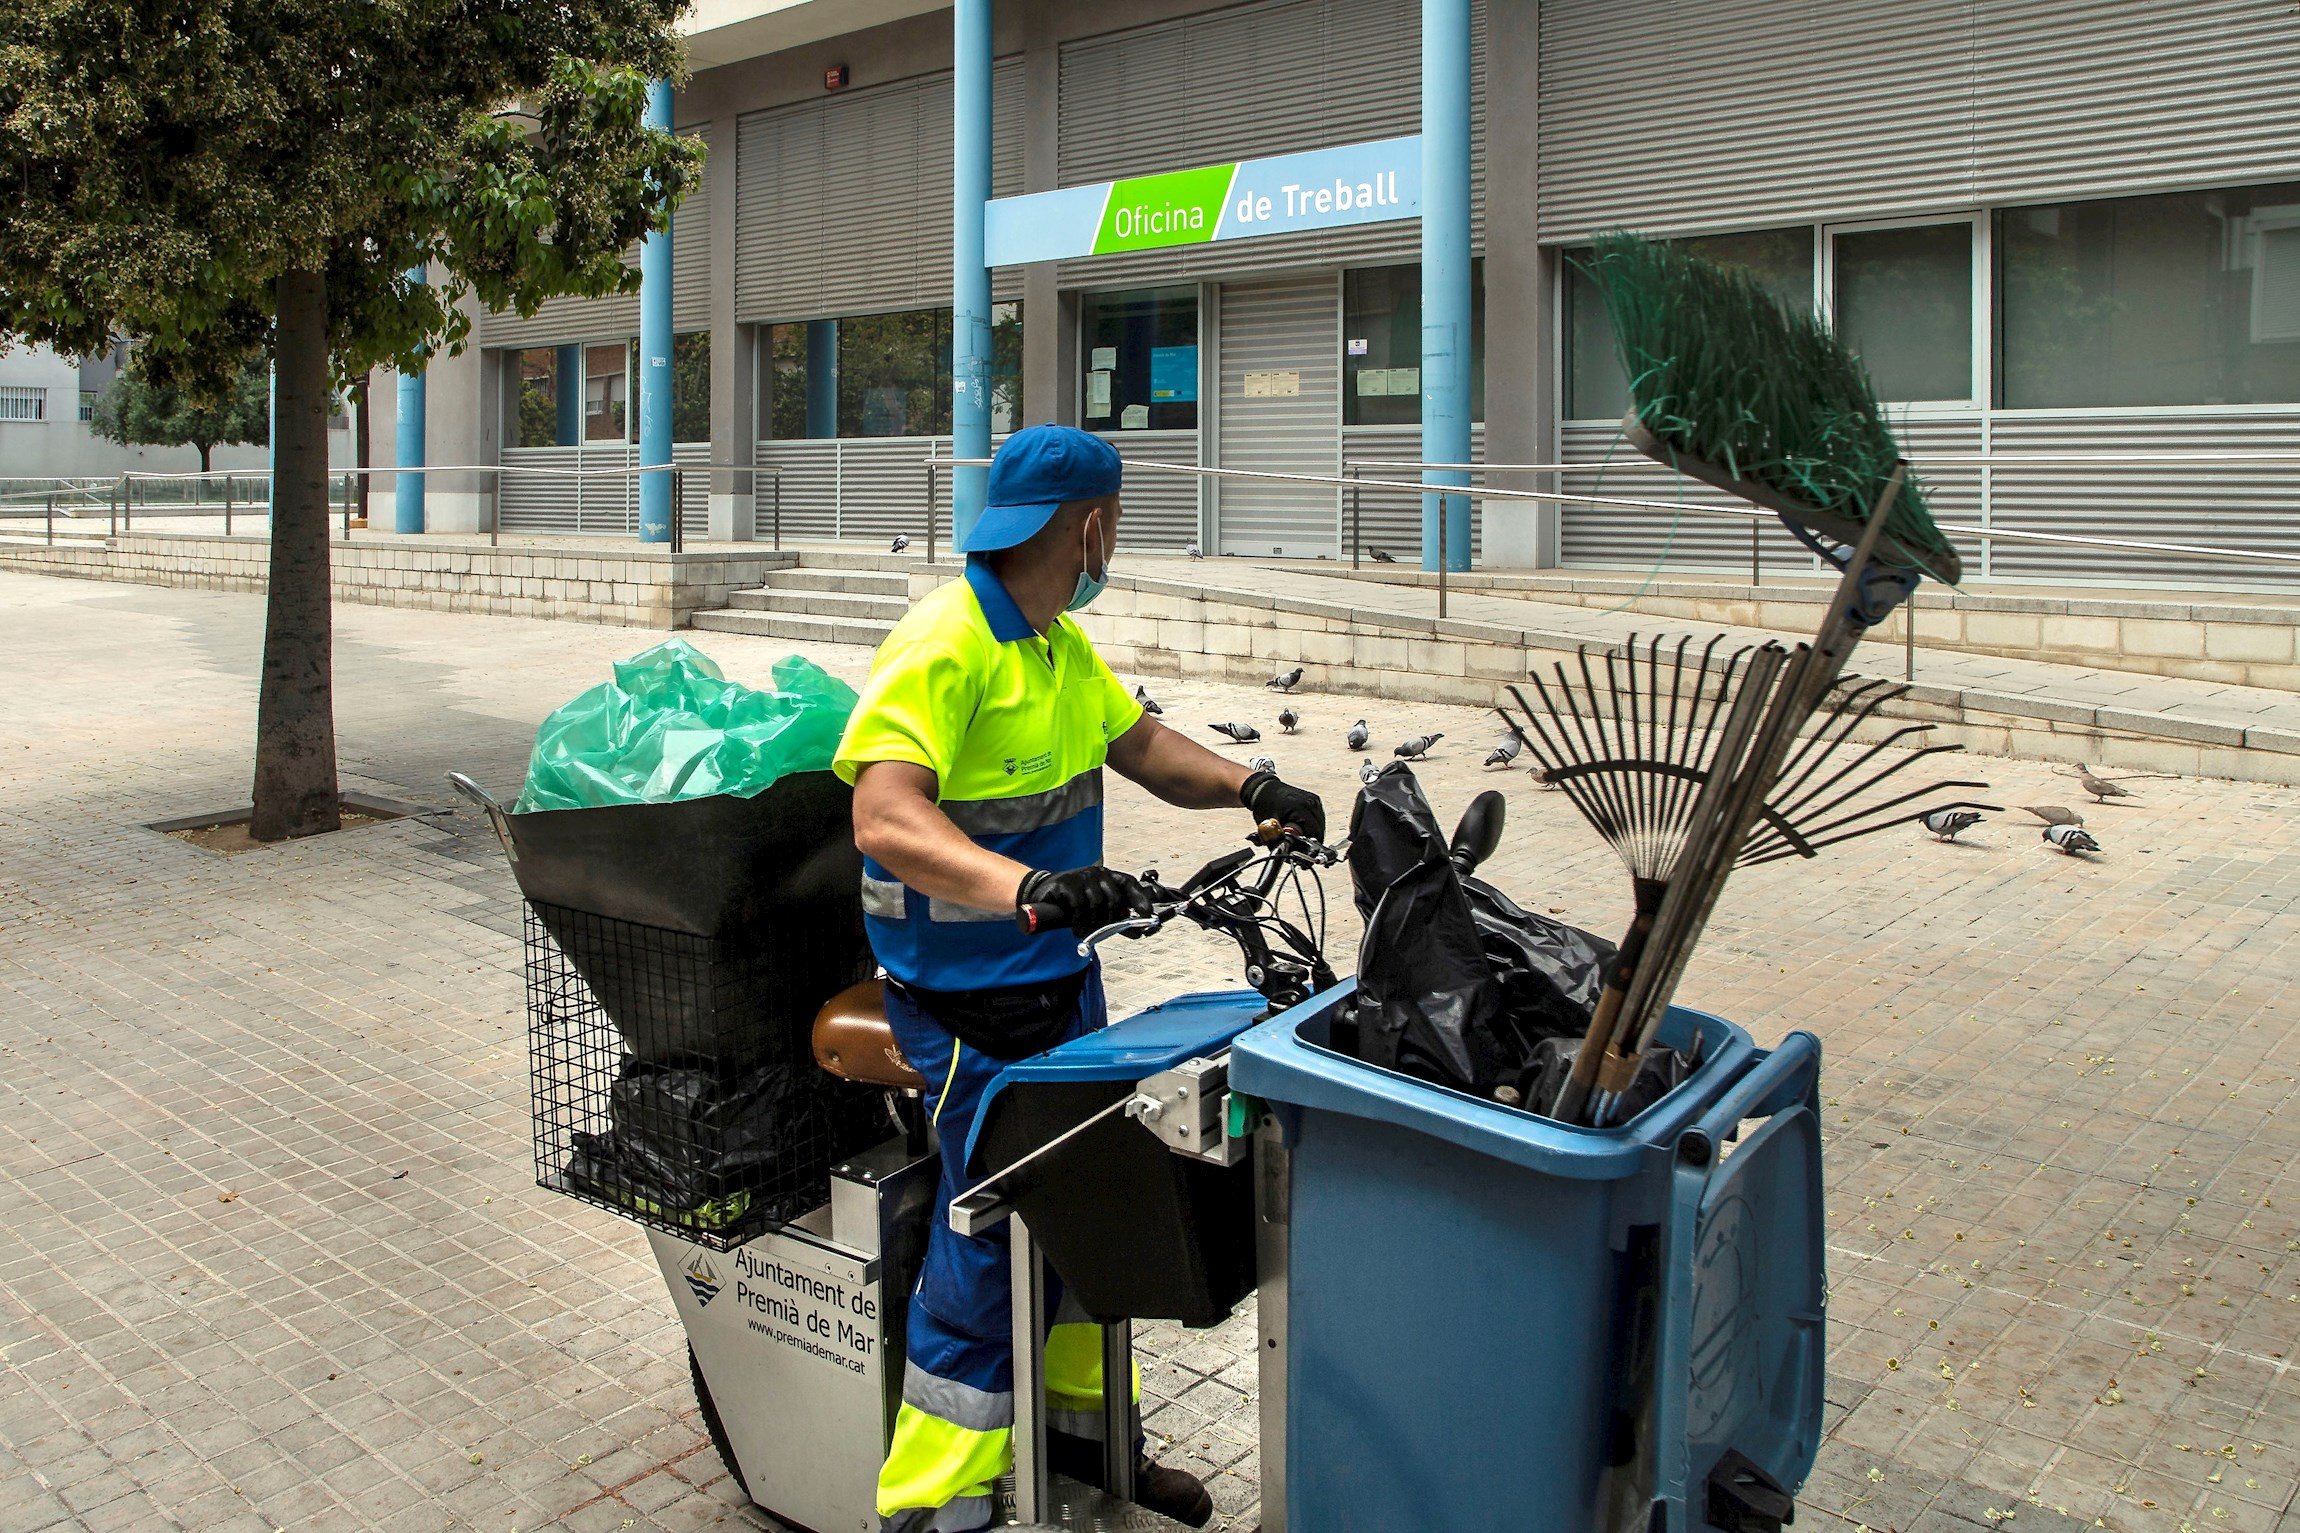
(62,446)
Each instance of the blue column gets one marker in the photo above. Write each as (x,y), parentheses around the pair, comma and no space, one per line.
(1445,272)
(654,383)
(567,370)
(970,278)
(822,378)
(407,495)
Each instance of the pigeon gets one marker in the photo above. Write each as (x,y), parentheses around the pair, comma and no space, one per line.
(1149,703)
(1287,719)
(1381,556)
(2053,814)
(1367,771)
(1945,823)
(2071,838)
(1505,750)
(1262,764)
(2102,789)
(1285,681)
(1244,734)
(1358,736)
(1195,552)
(1417,747)
(901,542)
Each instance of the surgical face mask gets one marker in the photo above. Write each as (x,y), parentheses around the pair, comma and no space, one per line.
(1089,586)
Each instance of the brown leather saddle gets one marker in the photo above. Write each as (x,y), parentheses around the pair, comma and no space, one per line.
(853,1040)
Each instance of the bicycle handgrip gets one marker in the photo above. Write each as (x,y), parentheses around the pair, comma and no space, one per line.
(1040,917)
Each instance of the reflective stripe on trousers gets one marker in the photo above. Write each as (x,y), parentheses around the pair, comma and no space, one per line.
(954,1434)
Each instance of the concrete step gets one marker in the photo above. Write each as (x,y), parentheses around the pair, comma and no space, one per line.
(796,626)
(773,598)
(861,582)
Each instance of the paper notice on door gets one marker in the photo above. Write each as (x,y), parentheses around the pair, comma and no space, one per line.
(1103,359)
(1134,418)
(1098,394)
(1380,382)
(1283,385)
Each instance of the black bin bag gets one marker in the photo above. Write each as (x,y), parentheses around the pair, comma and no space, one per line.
(1457,984)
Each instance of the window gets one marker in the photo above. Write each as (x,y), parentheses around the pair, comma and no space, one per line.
(1595,387)
(876,375)
(1138,352)
(22,402)
(546,400)
(88,398)
(606,392)
(691,386)
(1382,345)
(2187,299)
(1903,299)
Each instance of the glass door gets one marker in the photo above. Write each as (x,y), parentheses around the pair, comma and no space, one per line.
(1905,297)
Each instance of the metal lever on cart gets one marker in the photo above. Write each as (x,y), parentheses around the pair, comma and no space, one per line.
(1187,1107)
(485,803)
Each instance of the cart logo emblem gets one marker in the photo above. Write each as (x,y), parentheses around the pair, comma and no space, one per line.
(702,1279)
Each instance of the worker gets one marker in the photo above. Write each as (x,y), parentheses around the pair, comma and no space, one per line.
(976,754)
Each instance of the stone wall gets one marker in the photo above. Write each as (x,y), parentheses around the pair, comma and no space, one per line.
(588,582)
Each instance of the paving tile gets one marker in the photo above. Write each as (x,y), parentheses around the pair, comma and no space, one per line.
(2048,1057)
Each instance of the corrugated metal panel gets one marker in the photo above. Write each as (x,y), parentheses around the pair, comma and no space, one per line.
(1784,113)
(545,492)
(606,319)
(2248,506)
(1391,520)
(807,486)
(1161,508)
(1279,330)
(1616,537)
(1246,82)
(842,205)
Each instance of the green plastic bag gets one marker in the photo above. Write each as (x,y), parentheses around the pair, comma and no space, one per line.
(670,726)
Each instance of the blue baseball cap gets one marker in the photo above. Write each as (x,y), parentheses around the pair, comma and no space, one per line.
(1034,472)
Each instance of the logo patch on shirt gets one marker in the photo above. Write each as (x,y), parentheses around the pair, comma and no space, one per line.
(1032,765)
(1010,766)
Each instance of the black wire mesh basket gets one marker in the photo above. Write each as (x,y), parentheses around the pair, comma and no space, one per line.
(675,957)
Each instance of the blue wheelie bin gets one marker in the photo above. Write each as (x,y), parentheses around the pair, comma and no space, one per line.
(1496,1321)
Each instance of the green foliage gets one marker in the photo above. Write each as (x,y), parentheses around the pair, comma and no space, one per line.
(168,160)
(1721,371)
(135,411)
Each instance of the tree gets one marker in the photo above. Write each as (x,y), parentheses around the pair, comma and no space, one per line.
(133,411)
(224,181)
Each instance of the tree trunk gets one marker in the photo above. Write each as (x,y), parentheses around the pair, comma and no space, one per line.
(295,786)
(203,447)
(360,440)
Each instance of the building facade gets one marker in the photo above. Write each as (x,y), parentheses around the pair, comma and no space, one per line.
(2052,230)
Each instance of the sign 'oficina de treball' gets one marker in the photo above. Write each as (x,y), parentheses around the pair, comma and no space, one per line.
(1318,189)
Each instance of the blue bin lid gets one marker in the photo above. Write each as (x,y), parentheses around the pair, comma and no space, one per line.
(1276,1063)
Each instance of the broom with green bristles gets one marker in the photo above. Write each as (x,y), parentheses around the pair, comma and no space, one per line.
(1735,390)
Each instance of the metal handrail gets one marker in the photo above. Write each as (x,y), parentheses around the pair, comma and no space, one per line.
(1631,503)
(1959,460)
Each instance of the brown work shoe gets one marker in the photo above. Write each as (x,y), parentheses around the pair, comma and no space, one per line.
(1172,1493)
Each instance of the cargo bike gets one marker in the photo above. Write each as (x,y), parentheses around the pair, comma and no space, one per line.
(1630,1319)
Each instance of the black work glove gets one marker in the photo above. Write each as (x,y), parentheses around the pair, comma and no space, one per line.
(1298,809)
(1086,899)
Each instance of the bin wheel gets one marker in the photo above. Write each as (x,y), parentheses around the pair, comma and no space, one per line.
(713,1425)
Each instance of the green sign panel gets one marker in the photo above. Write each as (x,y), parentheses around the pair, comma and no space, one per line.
(1181,207)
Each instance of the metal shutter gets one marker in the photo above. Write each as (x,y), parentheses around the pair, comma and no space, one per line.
(842,205)
(1161,508)
(1686,115)
(561,320)
(1391,520)
(1279,328)
(1246,82)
